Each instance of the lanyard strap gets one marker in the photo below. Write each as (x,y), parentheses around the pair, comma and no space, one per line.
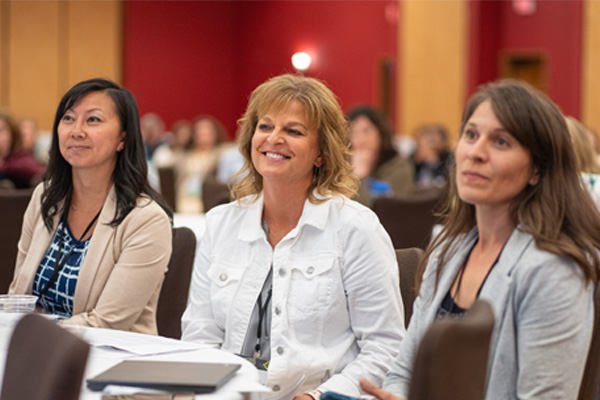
(60,262)
(262,310)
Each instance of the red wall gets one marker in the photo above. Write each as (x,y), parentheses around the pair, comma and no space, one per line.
(555,29)
(182,59)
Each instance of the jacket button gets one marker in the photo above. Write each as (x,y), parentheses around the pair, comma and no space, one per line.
(281,272)
(276,388)
(280,350)
(223,277)
(310,270)
(277,310)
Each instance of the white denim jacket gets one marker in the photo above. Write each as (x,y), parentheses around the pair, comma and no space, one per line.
(337,314)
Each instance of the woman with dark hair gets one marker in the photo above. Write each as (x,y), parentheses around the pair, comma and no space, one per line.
(281,272)
(96,238)
(374,157)
(16,164)
(521,233)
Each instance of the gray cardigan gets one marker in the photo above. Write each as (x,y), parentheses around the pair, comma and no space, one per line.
(543,313)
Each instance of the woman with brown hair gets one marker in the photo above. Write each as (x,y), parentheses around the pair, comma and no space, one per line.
(521,233)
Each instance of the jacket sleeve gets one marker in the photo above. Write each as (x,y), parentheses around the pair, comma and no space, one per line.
(553,319)
(198,323)
(145,246)
(371,283)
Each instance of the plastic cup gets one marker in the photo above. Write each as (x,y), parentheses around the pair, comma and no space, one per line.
(17,303)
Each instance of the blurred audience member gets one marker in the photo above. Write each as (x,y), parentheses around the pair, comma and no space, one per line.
(431,156)
(153,129)
(28,131)
(230,163)
(207,134)
(16,164)
(374,157)
(587,161)
(182,135)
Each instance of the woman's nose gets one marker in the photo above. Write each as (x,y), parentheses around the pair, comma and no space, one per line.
(478,150)
(276,136)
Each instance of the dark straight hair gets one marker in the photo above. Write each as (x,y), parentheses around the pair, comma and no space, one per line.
(130,176)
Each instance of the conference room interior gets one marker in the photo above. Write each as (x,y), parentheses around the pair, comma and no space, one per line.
(416,61)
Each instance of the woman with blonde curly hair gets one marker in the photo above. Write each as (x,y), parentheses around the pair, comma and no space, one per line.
(293,274)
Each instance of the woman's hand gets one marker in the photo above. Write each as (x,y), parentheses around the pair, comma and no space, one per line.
(375,391)
(302,397)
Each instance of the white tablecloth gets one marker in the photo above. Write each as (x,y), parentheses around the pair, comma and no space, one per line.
(109,347)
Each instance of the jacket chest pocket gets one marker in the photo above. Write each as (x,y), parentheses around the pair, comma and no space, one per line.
(224,282)
(311,283)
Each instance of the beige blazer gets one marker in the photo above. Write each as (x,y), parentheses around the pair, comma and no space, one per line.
(122,273)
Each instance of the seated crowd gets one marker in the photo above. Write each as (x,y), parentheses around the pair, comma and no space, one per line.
(297,274)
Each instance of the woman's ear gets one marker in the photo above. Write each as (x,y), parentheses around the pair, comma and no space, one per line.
(122,141)
(535,178)
(319,161)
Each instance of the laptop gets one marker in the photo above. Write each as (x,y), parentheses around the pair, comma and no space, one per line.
(166,375)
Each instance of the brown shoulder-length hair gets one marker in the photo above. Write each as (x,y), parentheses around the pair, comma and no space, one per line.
(557,211)
(323,113)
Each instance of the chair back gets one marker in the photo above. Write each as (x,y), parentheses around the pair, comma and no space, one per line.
(408,260)
(44,362)
(167,185)
(174,293)
(451,361)
(590,381)
(13,204)
(409,220)
(214,192)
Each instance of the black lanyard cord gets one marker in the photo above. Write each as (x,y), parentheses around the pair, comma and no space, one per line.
(262,310)
(60,262)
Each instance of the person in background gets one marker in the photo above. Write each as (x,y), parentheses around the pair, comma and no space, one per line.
(28,131)
(374,157)
(587,162)
(182,135)
(280,275)
(520,233)
(17,165)
(96,238)
(200,160)
(431,156)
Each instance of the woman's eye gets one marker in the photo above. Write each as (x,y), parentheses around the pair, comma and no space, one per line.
(93,118)
(294,132)
(67,118)
(264,127)
(469,134)
(502,142)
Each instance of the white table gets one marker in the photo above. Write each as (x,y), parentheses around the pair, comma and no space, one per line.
(109,347)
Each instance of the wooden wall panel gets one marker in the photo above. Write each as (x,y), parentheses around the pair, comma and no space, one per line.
(3,55)
(94,44)
(34,59)
(50,45)
(432,48)
(590,85)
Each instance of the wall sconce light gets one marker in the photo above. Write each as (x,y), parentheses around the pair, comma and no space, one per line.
(301,61)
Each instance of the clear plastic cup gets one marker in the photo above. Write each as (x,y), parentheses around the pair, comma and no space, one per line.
(17,303)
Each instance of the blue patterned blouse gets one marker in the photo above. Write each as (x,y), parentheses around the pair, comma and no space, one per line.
(59,298)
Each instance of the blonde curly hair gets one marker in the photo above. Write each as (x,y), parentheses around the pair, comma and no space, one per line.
(324,115)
